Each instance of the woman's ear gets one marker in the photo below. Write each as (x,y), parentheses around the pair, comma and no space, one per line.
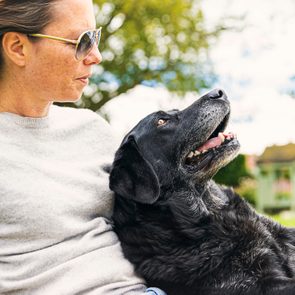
(15,47)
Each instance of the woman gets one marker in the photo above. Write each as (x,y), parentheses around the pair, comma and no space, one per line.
(55,206)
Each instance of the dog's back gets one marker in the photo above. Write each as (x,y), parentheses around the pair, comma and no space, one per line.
(234,252)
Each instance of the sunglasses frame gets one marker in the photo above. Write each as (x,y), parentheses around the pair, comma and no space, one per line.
(70,41)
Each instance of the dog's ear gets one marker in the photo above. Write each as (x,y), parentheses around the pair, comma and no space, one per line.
(132,176)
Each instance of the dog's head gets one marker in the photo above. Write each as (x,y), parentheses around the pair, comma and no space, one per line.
(186,146)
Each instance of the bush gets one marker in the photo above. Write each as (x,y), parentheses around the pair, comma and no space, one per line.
(233,173)
(248,190)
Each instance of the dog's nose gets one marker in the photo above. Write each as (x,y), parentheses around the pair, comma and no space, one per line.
(217,93)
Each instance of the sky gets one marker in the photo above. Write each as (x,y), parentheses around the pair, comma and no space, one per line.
(254,65)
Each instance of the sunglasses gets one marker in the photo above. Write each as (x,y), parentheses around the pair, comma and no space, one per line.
(84,44)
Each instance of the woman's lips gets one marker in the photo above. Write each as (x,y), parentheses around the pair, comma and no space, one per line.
(84,79)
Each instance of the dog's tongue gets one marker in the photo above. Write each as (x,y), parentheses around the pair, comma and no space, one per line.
(211,143)
(215,141)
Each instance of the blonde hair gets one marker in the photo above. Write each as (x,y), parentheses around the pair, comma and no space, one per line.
(23,16)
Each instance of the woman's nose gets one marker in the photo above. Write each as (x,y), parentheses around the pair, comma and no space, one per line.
(94,57)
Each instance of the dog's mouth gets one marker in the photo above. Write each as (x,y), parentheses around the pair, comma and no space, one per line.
(215,145)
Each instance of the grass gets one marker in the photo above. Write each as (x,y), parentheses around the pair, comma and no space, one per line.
(286,218)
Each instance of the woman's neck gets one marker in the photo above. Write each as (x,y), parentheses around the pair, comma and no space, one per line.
(16,98)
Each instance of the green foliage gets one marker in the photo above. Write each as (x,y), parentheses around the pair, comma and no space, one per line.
(233,173)
(248,190)
(150,42)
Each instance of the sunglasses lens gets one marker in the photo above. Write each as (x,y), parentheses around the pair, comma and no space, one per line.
(86,44)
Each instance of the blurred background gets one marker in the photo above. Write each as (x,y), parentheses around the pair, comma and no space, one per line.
(165,54)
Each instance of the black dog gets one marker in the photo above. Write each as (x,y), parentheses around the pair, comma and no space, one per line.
(184,233)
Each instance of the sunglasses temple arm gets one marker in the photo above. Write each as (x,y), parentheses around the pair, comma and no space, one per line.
(55,38)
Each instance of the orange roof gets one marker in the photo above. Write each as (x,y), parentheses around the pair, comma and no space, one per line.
(278,153)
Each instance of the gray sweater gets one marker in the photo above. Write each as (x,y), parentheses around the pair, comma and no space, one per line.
(56,237)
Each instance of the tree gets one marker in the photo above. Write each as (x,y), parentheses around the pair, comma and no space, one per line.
(150,42)
(234,172)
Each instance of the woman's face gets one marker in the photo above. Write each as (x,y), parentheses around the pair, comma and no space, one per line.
(52,71)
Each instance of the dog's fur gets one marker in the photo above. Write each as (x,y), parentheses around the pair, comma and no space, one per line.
(184,233)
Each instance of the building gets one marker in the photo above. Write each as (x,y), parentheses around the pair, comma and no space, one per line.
(276,178)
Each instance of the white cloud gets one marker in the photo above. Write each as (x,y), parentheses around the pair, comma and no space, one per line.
(255,65)
(272,117)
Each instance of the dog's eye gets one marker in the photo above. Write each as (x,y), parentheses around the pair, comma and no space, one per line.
(161,122)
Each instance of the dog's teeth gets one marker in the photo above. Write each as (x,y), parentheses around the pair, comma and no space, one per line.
(190,155)
(196,153)
(221,136)
(232,135)
(204,151)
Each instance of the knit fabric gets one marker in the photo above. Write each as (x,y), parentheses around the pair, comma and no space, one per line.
(56,236)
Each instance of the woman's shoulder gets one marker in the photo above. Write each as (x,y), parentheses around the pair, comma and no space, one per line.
(80,116)
(83,119)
